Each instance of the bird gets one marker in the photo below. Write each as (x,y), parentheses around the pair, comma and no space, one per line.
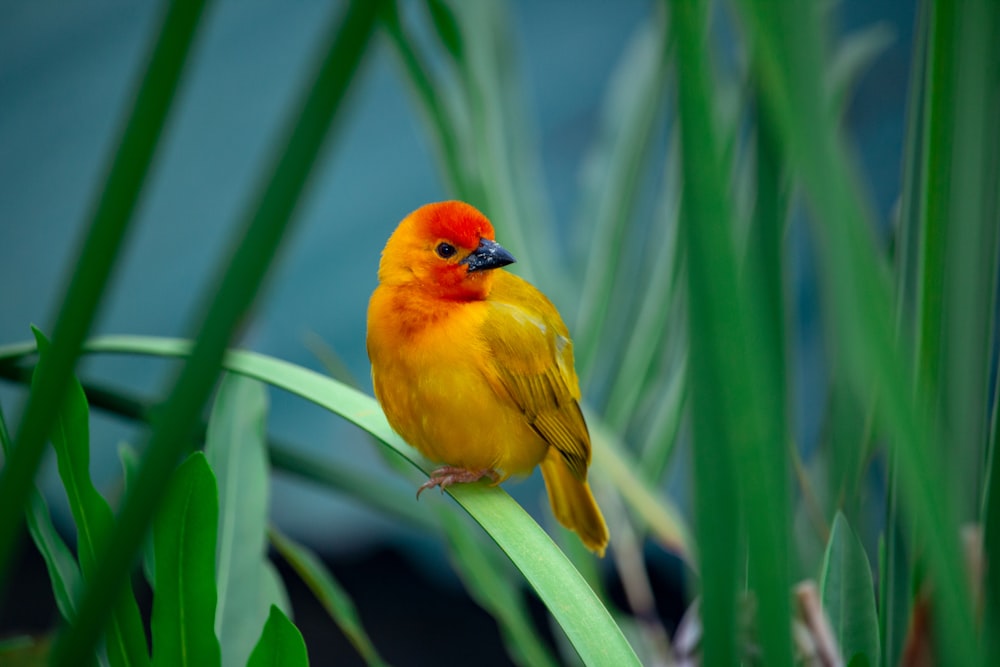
(473,366)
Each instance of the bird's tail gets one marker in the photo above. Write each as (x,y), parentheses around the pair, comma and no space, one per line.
(573,503)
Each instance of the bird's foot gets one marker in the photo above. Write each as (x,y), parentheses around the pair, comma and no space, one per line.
(448,475)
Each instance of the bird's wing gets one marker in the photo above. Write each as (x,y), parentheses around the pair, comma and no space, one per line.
(532,365)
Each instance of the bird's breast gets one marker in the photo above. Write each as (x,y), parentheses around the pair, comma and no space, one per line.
(432,376)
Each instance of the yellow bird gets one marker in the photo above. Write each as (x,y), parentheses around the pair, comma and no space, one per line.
(473,366)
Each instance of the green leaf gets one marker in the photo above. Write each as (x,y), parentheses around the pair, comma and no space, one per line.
(255,242)
(573,604)
(788,42)
(633,111)
(849,595)
(125,637)
(106,231)
(446,26)
(737,418)
(184,540)
(280,645)
(329,592)
(236,449)
(64,573)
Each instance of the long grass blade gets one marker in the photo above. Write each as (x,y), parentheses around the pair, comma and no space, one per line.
(739,432)
(895,573)
(98,254)
(125,638)
(259,239)
(787,39)
(634,106)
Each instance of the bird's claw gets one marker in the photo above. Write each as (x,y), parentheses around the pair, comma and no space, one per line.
(446,476)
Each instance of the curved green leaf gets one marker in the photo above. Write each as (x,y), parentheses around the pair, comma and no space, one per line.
(280,645)
(573,604)
(64,573)
(184,541)
(125,638)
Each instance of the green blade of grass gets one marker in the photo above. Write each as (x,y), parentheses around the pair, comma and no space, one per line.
(896,575)
(634,105)
(97,257)
(125,638)
(432,98)
(329,592)
(184,537)
(739,433)
(258,238)
(991,531)
(972,218)
(787,39)
(280,645)
(573,604)
(236,450)
(639,369)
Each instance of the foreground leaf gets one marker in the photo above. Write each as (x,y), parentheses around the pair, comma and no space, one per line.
(280,645)
(184,542)
(125,637)
(849,595)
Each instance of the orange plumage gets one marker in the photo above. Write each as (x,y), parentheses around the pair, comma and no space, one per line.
(474,367)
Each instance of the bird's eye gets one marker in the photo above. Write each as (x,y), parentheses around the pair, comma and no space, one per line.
(445,250)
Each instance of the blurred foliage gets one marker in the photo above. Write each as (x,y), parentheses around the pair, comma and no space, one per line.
(676,286)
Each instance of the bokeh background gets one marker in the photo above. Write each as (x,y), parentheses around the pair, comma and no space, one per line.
(66,73)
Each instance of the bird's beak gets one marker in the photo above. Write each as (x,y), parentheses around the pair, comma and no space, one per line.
(489,255)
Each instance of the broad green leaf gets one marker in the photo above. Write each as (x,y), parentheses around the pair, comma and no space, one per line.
(125,637)
(848,595)
(280,645)
(184,540)
(236,449)
(571,601)
(329,592)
